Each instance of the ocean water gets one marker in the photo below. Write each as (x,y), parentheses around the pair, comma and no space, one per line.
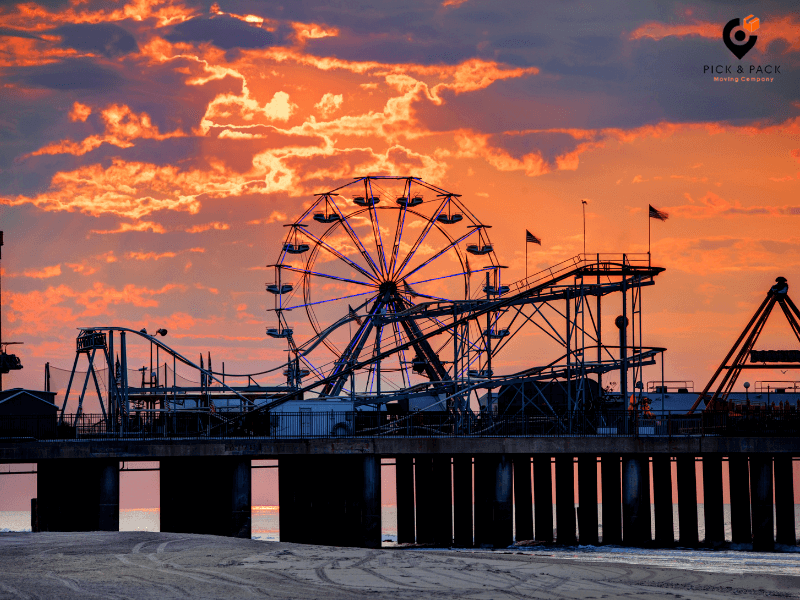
(265,524)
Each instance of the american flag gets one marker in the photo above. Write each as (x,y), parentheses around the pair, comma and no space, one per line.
(531,239)
(657,214)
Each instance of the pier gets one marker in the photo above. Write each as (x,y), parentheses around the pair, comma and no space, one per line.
(330,486)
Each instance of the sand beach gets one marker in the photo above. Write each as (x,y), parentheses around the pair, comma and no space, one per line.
(141,565)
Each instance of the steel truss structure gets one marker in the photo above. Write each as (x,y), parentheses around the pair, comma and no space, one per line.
(388,294)
(778,294)
(126,406)
(456,333)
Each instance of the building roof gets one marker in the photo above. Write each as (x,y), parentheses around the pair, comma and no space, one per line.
(43,396)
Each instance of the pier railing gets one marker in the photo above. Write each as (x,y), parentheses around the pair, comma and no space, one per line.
(428,424)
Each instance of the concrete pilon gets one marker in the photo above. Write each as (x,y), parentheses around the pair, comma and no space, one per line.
(78,495)
(523,498)
(784,501)
(739,478)
(404,479)
(587,499)
(442,501)
(543,497)
(687,499)
(209,495)
(330,500)
(424,485)
(636,500)
(761,502)
(565,500)
(662,500)
(462,501)
(712,499)
(493,501)
(611,486)
(484,490)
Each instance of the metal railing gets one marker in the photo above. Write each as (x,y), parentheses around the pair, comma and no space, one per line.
(764,422)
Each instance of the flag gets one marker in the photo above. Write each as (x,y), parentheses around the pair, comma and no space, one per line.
(353,314)
(531,239)
(469,271)
(657,214)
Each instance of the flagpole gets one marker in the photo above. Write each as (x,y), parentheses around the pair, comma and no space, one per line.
(526,257)
(583,206)
(648,236)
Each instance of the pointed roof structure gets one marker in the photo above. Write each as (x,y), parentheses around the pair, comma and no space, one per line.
(736,359)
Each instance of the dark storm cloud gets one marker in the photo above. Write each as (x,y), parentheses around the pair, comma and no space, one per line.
(549,145)
(223,32)
(101,38)
(68,74)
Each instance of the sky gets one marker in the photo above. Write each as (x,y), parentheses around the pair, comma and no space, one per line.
(152,151)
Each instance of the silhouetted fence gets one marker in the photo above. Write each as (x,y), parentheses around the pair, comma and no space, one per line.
(428,424)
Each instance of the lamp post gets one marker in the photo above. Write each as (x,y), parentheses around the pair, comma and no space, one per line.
(747,391)
(162,332)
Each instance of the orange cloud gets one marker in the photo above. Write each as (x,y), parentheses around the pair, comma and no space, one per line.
(45,273)
(310,31)
(712,206)
(149,255)
(784,28)
(82,268)
(329,104)
(211,290)
(206,226)
(726,254)
(139,226)
(157,256)
(80,112)
(38,311)
(274,217)
(122,126)
(134,190)
(33,17)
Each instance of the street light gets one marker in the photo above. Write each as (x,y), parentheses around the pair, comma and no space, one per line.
(747,391)
(162,333)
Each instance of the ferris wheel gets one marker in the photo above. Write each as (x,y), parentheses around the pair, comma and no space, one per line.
(354,269)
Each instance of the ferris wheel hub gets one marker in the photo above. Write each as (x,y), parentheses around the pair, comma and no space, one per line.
(388,288)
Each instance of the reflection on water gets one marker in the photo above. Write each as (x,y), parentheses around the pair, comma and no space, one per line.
(719,561)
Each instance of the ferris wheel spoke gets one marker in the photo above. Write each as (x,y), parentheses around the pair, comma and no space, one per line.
(459,274)
(330,300)
(307,272)
(376,229)
(442,251)
(357,241)
(398,231)
(423,234)
(337,254)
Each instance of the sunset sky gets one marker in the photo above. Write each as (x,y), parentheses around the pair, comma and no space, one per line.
(151,152)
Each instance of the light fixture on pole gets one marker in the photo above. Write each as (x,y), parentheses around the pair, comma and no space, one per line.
(162,333)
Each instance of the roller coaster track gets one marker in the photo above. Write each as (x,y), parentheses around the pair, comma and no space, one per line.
(545,285)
